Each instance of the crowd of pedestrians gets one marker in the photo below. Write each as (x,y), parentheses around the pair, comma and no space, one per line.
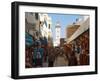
(40,55)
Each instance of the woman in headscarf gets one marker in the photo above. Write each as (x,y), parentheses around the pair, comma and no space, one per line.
(61,59)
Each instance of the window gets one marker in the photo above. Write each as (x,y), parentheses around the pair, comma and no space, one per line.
(49,26)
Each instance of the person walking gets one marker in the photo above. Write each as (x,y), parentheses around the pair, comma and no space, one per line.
(72,59)
(51,57)
(61,59)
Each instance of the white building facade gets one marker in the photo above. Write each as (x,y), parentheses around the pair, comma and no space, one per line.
(45,27)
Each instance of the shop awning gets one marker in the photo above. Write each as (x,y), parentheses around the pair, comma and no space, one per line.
(83,27)
(28,39)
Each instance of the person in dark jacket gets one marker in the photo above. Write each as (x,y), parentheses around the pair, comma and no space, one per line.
(72,59)
(51,57)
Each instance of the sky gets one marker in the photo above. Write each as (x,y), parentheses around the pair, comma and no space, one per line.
(65,20)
